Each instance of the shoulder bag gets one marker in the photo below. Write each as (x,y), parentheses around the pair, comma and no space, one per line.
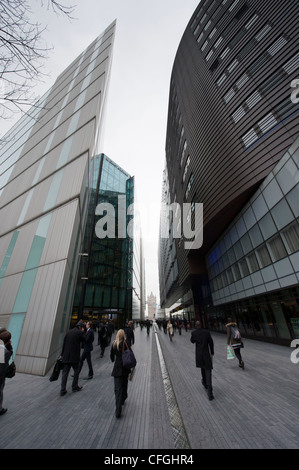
(11,371)
(128,357)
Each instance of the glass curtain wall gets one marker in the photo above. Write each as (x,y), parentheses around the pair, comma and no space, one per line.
(102,287)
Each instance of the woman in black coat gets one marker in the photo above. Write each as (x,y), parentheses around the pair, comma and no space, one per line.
(119,373)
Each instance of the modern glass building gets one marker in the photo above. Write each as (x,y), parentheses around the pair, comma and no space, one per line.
(46,165)
(110,283)
(232,129)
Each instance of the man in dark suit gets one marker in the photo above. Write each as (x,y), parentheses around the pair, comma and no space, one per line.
(70,356)
(129,330)
(88,347)
(204,351)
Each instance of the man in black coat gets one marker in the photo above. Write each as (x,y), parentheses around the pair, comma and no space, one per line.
(130,336)
(70,356)
(88,347)
(204,351)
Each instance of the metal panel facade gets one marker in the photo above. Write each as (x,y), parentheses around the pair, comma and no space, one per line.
(44,162)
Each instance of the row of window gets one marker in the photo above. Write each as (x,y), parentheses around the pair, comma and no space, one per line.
(265,88)
(238,36)
(280,112)
(218,18)
(275,249)
(260,61)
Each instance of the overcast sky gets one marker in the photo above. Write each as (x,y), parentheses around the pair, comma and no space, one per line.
(148,34)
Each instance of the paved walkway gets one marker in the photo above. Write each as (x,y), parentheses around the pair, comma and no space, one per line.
(167,408)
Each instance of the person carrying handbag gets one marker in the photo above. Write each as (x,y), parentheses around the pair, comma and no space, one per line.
(6,353)
(234,340)
(119,372)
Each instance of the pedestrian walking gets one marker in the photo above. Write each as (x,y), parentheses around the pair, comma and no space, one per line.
(148,325)
(70,356)
(204,350)
(6,352)
(170,330)
(234,340)
(88,347)
(102,338)
(129,331)
(110,331)
(119,373)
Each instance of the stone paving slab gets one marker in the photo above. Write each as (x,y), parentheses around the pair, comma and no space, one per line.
(257,408)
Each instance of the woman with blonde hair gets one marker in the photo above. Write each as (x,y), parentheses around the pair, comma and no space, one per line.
(119,373)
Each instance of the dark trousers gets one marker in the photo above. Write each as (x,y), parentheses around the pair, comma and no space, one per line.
(207,379)
(237,352)
(120,391)
(2,384)
(86,355)
(65,373)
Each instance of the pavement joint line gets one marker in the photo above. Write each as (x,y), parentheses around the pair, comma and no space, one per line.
(181,440)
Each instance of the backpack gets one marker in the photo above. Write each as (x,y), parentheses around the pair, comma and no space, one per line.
(235,333)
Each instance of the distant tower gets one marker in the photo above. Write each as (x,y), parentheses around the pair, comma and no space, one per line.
(151,306)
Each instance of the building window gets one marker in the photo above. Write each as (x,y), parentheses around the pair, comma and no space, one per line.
(292,64)
(221,79)
(186,168)
(276,46)
(233,5)
(263,32)
(252,261)
(250,137)
(253,99)
(236,271)
(244,267)
(229,275)
(229,95)
(241,82)
(291,236)
(183,152)
(212,33)
(232,66)
(189,186)
(209,55)
(251,21)
(267,123)
(224,53)
(238,114)
(263,256)
(218,42)
(277,248)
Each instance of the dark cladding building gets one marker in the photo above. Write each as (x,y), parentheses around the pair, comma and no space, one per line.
(233,120)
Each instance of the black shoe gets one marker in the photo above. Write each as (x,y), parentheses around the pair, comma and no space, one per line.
(117,414)
(211,397)
(242,365)
(63,392)
(3,411)
(89,377)
(77,389)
